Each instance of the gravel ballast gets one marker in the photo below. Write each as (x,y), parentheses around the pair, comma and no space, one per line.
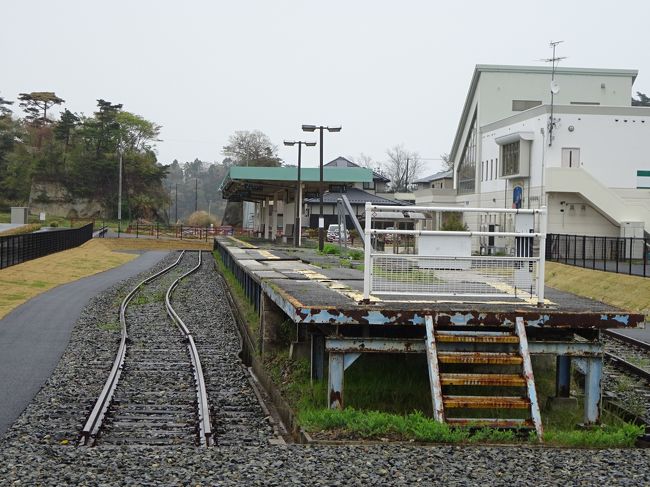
(39,448)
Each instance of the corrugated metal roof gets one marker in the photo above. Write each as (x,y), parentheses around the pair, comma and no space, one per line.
(308,174)
(356,196)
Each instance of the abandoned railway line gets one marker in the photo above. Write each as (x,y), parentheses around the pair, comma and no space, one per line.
(627,378)
(156,391)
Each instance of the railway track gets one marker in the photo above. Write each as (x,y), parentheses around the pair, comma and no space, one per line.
(627,377)
(155,393)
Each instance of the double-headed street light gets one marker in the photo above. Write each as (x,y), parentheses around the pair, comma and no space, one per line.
(297,227)
(321,217)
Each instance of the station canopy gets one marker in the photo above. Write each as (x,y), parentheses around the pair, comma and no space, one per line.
(259,183)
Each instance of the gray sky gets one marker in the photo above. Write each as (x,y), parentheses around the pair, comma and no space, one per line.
(390,72)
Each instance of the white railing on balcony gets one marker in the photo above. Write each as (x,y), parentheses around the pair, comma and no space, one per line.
(487,262)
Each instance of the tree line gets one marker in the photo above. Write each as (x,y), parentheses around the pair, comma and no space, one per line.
(80,153)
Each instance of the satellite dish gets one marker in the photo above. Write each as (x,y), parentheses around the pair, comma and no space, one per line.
(555,87)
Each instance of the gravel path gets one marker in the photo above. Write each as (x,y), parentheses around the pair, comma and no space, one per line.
(38,449)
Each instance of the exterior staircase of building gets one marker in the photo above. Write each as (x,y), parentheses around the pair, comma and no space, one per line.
(497,353)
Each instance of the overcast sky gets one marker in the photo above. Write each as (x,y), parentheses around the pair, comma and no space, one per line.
(390,72)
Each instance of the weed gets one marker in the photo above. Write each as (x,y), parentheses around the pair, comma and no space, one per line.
(607,436)
(331,249)
(355,254)
(110,326)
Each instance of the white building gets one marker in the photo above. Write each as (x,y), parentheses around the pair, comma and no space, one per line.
(593,171)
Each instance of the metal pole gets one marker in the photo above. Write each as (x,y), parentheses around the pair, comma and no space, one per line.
(119,192)
(196,194)
(367,275)
(176,206)
(542,256)
(321,217)
(298,202)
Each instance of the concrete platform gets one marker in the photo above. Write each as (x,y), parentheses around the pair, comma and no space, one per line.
(310,294)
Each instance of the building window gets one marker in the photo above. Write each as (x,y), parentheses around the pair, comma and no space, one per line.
(467,166)
(338,188)
(510,159)
(491,168)
(369,185)
(585,103)
(521,105)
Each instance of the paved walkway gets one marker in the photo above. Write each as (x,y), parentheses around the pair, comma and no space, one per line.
(34,336)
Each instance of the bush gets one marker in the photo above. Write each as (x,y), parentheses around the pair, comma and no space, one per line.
(454,223)
(356,254)
(331,249)
(201,219)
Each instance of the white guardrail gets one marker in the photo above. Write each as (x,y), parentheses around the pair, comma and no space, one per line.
(504,258)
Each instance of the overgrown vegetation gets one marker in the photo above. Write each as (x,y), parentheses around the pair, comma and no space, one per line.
(631,293)
(248,310)
(387,397)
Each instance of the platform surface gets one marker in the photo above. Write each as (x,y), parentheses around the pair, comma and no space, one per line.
(311,294)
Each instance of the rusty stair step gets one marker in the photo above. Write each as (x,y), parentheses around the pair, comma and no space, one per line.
(494,358)
(492,422)
(486,402)
(513,380)
(449,338)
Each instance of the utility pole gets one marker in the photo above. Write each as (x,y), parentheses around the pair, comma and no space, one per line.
(553,60)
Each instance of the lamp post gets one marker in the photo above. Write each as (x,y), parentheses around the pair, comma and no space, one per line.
(297,226)
(321,217)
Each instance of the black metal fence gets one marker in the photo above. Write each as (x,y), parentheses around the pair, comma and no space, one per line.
(612,254)
(16,249)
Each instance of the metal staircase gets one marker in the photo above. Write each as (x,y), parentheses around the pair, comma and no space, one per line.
(497,349)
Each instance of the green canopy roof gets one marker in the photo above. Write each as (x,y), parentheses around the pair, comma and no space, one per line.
(307,174)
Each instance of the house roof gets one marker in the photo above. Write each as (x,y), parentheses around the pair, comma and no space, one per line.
(437,176)
(343,162)
(356,196)
(498,68)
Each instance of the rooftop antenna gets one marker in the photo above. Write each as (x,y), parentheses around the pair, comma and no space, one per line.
(555,87)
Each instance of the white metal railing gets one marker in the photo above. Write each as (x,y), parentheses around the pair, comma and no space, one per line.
(453,263)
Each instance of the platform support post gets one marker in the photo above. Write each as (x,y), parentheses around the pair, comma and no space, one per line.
(272,318)
(335,380)
(593,378)
(274,221)
(267,219)
(562,376)
(317,356)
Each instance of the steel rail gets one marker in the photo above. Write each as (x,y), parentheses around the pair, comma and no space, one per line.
(205,425)
(94,421)
(627,339)
(630,367)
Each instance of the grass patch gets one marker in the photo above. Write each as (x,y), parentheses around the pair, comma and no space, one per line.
(21,230)
(630,293)
(22,282)
(618,436)
(112,326)
(248,310)
(330,249)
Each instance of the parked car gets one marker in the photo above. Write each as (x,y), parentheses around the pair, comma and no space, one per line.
(333,233)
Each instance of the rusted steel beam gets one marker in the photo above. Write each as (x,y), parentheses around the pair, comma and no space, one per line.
(491,422)
(477,338)
(508,380)
(486,402)
(479,358)
(529,377)
(434,373)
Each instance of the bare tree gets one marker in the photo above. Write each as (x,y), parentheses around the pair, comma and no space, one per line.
(402,167)
(447,163)
(251,148)
(366,161)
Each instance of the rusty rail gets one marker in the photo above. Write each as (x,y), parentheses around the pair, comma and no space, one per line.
(205,425)
(94,421)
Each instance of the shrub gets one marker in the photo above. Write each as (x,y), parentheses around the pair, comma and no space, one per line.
(201,219)
(454,223)
(356,254)
(331,249)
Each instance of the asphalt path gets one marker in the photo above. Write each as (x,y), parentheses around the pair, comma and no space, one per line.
(34,336)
